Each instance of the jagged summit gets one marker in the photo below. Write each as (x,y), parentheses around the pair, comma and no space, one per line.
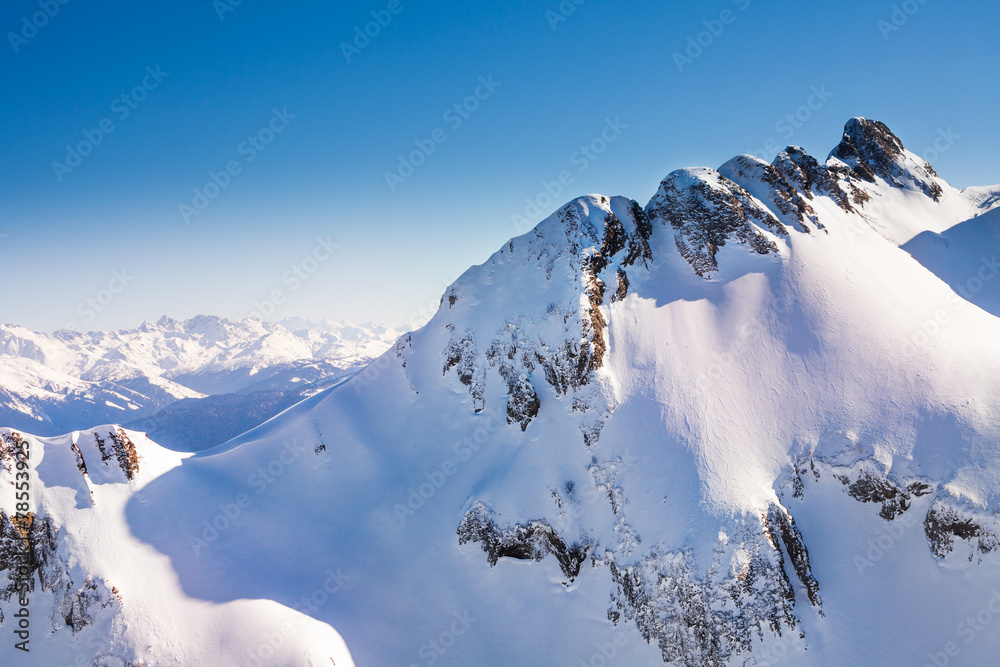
(705,210)
(872,150)
(750,203)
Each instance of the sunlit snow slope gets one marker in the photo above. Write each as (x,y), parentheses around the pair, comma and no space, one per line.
(740,425)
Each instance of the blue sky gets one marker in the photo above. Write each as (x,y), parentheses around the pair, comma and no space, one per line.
(208,86)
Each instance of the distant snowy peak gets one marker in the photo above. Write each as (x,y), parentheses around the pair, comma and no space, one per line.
(174,347)
(51,383)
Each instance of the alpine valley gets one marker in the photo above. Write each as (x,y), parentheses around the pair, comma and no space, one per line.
(753,422)
(190,384)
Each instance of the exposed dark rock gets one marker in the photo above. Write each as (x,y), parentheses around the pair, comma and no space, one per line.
(10,443)
(615,237)
(946,521)
(706,211)
(78,616)
(531,540)
(462,356)
(785,198)
(871,488)
(593,322)
(638,243)
(867,484)
(810,177)
(780,522)
(125,452)
(27,551)
(623,286)
(522,403)
(703,621)
(80,463)
(871,150)
(121,449)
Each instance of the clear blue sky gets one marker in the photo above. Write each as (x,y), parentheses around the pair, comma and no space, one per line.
(323,175)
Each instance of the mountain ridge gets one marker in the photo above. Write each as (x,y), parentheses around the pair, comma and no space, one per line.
(682,426)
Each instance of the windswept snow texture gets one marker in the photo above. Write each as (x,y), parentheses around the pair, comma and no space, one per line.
(737,426)
(189,384)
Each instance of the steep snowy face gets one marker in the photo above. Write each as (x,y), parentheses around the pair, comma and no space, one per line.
(545,321)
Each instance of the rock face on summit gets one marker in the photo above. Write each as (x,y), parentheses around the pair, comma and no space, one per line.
(871,151)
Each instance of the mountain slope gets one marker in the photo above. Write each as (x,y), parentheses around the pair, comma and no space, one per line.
(99,596)
(712,430)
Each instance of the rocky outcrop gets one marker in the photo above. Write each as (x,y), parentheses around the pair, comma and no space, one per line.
(706,211)
(947,522)
(462,355)
(121,449)
(871,150)
(522,403)
(531,540)
(27,553)
(867,485)
(713,617)
(771,186)
(779,525)
(810,177)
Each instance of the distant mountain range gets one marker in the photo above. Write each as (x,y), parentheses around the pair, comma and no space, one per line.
(189,384)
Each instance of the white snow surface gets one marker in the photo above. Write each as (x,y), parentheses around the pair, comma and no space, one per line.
(717,400)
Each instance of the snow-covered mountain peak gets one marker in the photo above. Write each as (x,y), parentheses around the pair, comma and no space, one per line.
(872,150)
(732,427)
